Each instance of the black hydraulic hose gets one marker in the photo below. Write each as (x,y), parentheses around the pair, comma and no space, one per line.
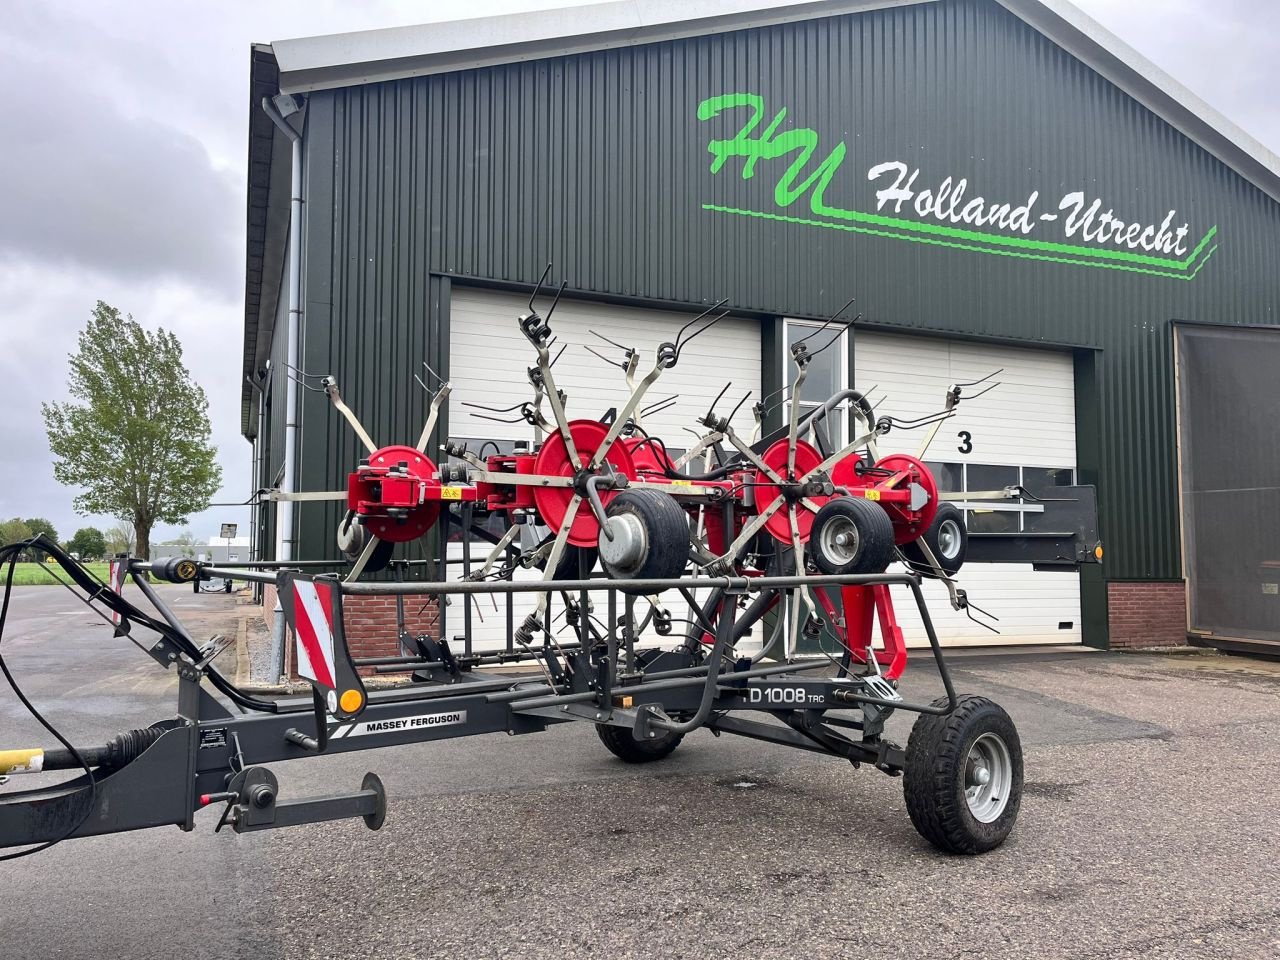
(11,553)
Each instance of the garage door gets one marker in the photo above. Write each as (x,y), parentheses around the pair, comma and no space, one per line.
(488,363)
(1023,432)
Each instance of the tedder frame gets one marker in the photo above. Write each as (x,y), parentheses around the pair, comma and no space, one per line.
(775,536)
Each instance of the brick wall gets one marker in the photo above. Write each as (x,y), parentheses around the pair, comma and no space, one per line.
(370,623)
(1146,614)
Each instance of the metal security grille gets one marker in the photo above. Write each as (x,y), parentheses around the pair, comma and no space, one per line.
(1229,458)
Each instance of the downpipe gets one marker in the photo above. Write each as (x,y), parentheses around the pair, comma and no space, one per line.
(285,509)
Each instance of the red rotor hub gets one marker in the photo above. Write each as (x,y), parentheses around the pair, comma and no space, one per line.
(779,525)
(397,494)
(894,491)
(553,461)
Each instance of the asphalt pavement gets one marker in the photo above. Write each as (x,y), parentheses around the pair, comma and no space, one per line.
(1147,829)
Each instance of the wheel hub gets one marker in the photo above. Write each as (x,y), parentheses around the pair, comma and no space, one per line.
(988,778)
(625,544)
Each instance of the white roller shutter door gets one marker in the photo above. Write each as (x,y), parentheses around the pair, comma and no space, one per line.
(1027,422)
(488,363)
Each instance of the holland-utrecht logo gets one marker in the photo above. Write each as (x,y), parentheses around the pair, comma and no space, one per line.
(947,210)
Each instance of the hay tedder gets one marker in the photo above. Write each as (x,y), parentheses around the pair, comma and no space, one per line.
(661,592)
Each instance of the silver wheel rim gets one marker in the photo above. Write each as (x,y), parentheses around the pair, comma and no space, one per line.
(840,540)
(988,777)
(949,539)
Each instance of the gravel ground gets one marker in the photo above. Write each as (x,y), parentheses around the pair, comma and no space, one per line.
(1147,830)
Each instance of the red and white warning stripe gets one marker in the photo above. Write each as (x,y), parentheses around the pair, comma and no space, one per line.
(313,606)
(117,572)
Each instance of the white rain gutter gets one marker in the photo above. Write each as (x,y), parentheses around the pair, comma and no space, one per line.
(286,539)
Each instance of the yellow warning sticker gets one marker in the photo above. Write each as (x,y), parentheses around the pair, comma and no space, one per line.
(681,483)
(450,493)
(871,494)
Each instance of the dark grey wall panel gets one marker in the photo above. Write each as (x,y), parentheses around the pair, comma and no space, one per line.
(600,164)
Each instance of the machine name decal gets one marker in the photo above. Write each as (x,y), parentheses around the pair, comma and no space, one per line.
(942,209)
(400,724)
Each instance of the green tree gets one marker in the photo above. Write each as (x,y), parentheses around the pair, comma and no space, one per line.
(120,538)
(41,525)
(186,543)
(135,436)
(88,544)
(14,531)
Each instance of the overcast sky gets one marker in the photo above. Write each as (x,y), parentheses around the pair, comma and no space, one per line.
(122,159)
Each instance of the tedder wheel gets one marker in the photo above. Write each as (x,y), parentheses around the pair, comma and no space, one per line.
(568,568)
(622,743)
(947,537)
(963,779)
(851,535)
(650,537)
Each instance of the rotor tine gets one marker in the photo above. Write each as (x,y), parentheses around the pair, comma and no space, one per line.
(596,353)
(723,391)
(538,287)
(715,306)
(431,370)
(663,404)
(481,406)
(702,329)
(613,343)
(974,383)
(563,348)
(481,416)
(556,302)
(987,389)
(834,337)
(421,384)
(745,397)
(830,320)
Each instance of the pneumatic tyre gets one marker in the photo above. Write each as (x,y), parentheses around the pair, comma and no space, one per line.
(622,743)
(851,535)
(963,778)
(947,537)
(650,538)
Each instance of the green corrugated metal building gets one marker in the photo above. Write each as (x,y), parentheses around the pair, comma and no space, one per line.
(999,183)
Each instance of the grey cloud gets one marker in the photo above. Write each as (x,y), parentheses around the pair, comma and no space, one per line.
(90,187)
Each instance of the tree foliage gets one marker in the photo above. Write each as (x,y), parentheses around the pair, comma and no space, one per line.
(120,538)
(185,543)
(88,544)
(41,525)
(135,436)
(14,531)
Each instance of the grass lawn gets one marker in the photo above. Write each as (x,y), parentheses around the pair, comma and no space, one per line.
(32,574)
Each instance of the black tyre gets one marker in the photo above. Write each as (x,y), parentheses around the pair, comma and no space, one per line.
(851,535)
(963,779)
(568,568)
(622,743)
(650,537)
(947,537)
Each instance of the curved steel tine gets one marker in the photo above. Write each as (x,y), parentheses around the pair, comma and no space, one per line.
(745,397)
(984,390)
(481,416)
(613,343)
(834,337)
(431,370)
(538,286)
(659,405)
(596,353)
(702,329)
(715,306)
(556,302)
(481,406)
(559,354)
(974,383)
(830,320)
(723,391)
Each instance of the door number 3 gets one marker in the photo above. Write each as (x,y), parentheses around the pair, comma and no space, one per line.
(966,441)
